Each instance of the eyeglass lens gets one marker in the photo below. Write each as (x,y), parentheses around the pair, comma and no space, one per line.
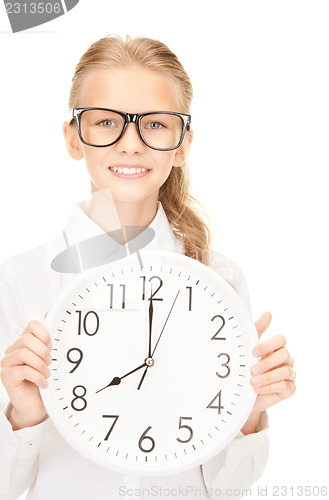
(102,128)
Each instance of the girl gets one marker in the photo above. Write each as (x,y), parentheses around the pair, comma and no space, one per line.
(136,180)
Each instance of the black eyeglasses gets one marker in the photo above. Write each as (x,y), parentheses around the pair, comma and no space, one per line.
(102,127)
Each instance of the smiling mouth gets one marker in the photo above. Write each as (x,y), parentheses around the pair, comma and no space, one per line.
(129,170)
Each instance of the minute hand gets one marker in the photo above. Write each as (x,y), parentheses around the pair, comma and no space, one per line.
(145,371)
(165,323)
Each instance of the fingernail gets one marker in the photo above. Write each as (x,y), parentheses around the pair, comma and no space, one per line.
(47,372)
(50,346)
(256,380)
(48,360)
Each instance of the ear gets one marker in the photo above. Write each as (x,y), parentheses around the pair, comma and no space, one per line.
(182,152)
(72,142)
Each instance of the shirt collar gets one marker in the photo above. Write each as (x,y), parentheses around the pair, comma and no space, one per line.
(80,228)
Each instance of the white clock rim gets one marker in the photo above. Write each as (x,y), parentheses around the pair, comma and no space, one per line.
(139,470)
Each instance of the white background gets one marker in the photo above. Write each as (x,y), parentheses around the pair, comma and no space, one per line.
(259,165)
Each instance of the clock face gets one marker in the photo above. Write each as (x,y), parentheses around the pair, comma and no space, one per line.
(150,370)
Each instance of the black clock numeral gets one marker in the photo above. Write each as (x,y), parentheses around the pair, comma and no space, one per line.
(222,321)
(123,302)
(74,361)
(152,293)
(144,437)
(189,288)
(79,399)
(217,407)
(111,428)
(185,427)
(228,369)
(86,324)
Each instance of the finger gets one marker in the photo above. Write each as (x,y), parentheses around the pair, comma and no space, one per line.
(263,323)
(274,360)
(23,357)
(35,345)
(269,346)
(24,372)
(277,375)
(38,330)
(284,389)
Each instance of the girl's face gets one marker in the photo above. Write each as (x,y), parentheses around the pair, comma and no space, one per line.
(132,90)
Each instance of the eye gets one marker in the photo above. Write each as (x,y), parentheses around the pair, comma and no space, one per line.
(107,123)
(155,125)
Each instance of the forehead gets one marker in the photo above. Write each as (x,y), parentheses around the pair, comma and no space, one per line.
(131,89)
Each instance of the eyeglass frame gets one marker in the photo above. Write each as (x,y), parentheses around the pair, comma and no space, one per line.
(132,118)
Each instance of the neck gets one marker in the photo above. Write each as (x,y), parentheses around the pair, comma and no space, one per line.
(110,214)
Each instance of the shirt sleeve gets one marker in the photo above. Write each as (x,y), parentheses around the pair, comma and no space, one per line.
(238,466)
(18,449)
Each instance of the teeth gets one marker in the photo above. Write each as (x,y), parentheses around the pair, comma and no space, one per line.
(128,171)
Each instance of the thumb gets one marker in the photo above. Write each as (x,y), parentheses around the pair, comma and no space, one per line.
(263,323)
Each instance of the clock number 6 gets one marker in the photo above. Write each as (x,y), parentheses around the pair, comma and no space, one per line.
(185,427)
(143,438)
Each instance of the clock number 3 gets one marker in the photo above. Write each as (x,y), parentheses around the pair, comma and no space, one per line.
(228,369)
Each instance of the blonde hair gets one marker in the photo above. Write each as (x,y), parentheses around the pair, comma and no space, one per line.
(182,209)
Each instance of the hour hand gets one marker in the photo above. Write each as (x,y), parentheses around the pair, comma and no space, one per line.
(117,380)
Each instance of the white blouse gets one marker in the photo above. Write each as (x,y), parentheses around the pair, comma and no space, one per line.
(37,458)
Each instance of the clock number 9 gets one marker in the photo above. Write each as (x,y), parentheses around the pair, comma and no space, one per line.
(222,320)
(143,438)
(76,362)
(225,365)
(84,323)
(79,397)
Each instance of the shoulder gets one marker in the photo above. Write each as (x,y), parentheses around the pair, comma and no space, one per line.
(231,272)
(34,260)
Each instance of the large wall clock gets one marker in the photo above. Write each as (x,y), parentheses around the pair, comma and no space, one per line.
(150,370)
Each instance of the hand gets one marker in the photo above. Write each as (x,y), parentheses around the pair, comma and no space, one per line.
(151,356)
(273,376)
(117,380)
(150,325)
(24,368)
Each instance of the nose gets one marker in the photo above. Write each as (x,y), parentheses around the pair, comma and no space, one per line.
(130,141)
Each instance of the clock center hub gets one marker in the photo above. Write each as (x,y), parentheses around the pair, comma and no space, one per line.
(149,361)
